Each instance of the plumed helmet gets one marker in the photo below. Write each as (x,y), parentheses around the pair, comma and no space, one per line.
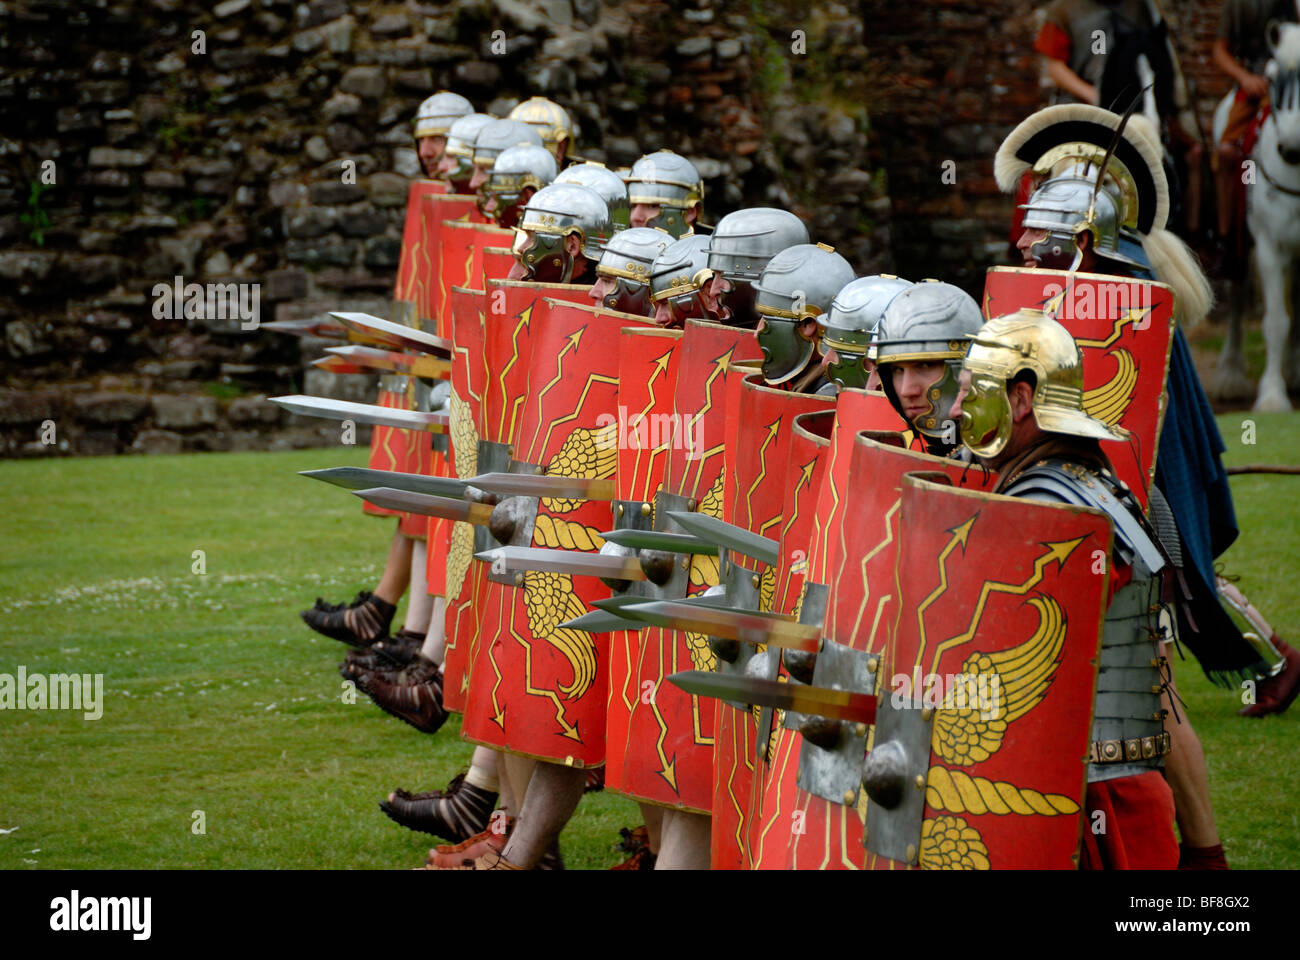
(517,168)
(500,135)
(744,241)
(598,177)
(548,118)
(561,209)
(436,114)
(929,321)
(1069,204)
(1026,340)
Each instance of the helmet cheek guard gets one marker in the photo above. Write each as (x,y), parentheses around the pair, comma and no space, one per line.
(986,416)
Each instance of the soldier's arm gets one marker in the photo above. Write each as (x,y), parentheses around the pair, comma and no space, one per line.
(1254,86)
(1054,44)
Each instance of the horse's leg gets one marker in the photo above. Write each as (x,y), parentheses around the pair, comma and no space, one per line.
(1230,380)
(1273,269)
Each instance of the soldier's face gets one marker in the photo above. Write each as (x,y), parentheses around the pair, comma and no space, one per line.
(430,151)
(602,288)
(1027,240)
(643,213)
(911,380)
(480,176)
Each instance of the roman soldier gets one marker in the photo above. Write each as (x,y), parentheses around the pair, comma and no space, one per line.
(1021,411)
(606,183)
(551,121)
(490,140)
(679,283)
(517,174)
(623,273)
(848,328)
(457,164)
(1111,221)
(432,124)
(739,248)
(665,191)
(562,233)
(797,287)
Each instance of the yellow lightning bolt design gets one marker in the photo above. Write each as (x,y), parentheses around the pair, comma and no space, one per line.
(1058,551)
(771,429)
(498,709)
(660,366)
(524,317)
(719,366)
(592,379)
(667,767)
(1132,316)
(571,343)
(570,731)
(960,534)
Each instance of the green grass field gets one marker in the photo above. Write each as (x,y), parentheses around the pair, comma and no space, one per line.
(218,699)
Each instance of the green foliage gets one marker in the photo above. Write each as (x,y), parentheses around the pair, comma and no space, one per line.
(35,218)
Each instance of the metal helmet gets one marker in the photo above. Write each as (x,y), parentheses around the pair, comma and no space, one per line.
(627,260)
(1068,205)
(436,114)
(929,321)
(516,169)
(669,181)
(548,118)
(607,183)
(501,135)
(678,275)
(850,325)
(744,241)
(1025,340)
(797,284)
(550,216)
(460,143)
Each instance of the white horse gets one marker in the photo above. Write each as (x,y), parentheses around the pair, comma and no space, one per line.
(1273,215)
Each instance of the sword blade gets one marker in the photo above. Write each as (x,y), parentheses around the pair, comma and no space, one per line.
(361,478)
(599,621)
(728,535)
(660,540)
(393,361)
(750,626)
(339,365)
(371,413)
(310,327)
(364,328)
(426,505)
(577,562)
(819,701)
(528,485)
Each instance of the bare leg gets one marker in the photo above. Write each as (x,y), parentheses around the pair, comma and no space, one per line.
(654,824)
(435,640)
(397,569)
(552,796)
(517,771)
(1190,782)
(685,841)
(419,605)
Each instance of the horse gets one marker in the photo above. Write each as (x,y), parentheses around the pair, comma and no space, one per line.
(1273,217)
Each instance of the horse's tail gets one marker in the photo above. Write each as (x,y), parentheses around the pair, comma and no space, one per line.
(1173,262)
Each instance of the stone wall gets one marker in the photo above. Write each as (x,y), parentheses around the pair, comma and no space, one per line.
(267,142)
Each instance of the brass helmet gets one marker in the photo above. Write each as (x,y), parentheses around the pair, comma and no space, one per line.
(1025,340)
(928,322)
(460,144)
(598,177)
(500,135)
(435,115)
(850,325)
(516,169)
(550,216)
(627,260)
(797,284)
(677,277)
(669,181)
(549,119)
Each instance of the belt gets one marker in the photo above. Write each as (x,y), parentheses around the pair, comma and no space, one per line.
(1121,751)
